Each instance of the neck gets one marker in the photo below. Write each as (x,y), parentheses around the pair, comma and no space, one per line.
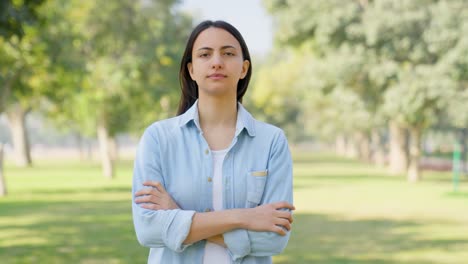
(215,112)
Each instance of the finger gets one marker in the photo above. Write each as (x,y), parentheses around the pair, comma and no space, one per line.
(139,200)
(149,206)
(151,183)
(284,214)
(284,223)
(144,191)
(279,230)
(148,192)
(147,199)
(156,185)
(283,204)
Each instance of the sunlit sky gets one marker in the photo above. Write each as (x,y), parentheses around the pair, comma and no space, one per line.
(248,16)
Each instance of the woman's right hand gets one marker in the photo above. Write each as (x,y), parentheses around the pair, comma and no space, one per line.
(155,198)
(269,217)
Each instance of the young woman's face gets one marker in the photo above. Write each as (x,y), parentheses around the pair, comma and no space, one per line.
(217,63)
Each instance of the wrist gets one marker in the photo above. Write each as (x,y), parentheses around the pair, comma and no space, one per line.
(241,218)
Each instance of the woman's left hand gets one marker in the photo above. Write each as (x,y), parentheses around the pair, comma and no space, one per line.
(155,198)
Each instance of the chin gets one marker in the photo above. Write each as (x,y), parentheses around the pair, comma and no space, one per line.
(215,90)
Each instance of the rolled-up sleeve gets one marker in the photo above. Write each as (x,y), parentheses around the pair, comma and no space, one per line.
(156,228)
(279,186)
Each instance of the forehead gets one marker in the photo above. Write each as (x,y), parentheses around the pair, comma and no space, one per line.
(215,38)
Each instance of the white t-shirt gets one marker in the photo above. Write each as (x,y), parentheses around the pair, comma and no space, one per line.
(215,254)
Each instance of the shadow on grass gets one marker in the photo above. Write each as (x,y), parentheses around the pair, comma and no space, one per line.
(82,190)
(457,194)
(102,232)
(67,165)
(331,177)
(321,158)
(69,232)
(318,238)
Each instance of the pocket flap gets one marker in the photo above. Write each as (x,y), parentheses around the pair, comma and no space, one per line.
(262,173)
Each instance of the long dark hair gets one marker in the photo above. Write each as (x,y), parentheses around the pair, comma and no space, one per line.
(188,86)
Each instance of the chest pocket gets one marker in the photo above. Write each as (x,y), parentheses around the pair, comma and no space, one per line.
(256,181)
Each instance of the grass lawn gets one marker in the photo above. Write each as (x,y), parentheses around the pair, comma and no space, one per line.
(347,212)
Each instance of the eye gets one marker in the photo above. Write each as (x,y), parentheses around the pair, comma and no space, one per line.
(229,53)
(204,55)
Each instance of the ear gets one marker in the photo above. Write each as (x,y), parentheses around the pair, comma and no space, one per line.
(245,68)
(190,70)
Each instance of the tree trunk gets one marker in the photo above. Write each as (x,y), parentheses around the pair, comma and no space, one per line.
(80,145)
(463,150)
(5,94)
(351,149)
(22,151)
(3,189)
(106,159)
(378,148)
(364,146)
(114,148)
(340,145)
(89,149)
(414,173)
(398,160)
(85,147)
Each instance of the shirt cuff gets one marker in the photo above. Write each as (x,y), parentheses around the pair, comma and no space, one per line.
(238,243)
(177,230)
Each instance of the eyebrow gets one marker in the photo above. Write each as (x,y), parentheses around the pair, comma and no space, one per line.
(223,47)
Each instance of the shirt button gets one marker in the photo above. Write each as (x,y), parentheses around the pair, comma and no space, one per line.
(210,179)
(207,151)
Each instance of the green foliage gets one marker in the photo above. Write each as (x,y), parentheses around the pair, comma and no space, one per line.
(22,56)
(115,63)
(400,60)
(419,95)
(15,14)
(324,21)
(274,97)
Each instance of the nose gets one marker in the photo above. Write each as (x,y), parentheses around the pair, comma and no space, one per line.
(217,62)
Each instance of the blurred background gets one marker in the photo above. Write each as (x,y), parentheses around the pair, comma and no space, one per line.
(372,95)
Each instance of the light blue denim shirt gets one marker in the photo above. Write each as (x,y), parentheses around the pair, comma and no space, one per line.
(256,170)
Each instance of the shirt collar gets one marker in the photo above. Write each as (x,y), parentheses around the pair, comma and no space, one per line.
(244,119)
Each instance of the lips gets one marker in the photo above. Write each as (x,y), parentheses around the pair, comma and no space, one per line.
(217,76)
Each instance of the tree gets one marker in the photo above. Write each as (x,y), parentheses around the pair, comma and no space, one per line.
(275,95)
(372,51)
(456,63)
(417,41)
(328,33)
(13,18)
(124,75)
(414,102)
(20,73)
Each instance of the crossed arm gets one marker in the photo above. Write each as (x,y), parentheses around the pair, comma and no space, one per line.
(212,225)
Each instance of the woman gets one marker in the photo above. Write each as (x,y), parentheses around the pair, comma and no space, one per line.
(220,182)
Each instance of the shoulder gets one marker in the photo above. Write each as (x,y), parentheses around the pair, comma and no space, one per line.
(266,130)
(273,139)
(258,128)
(161,128)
